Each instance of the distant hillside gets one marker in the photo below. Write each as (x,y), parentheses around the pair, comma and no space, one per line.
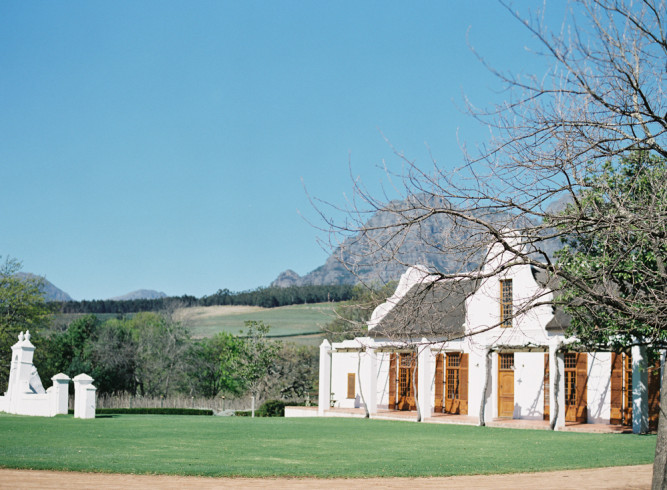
(418,246)
(51,292)
(140,294)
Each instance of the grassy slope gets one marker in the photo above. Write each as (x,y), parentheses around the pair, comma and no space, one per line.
(285,321)
(224,446)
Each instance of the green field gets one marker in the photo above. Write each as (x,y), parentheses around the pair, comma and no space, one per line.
(297,323)
(238,446)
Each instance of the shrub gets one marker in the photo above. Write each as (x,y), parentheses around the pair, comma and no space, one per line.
(271,408)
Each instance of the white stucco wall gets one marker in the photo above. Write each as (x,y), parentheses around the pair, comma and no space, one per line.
(529,385)
(598,396)
(343,363)
(483,311)
(383,359)
(476,376)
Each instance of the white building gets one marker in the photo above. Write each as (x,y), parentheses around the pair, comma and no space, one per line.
(484,346)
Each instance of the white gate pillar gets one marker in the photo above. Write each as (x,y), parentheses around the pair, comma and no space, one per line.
(59,393)
(324,394)
(639,390)
(84,397)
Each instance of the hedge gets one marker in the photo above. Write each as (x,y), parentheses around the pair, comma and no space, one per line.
(151,411)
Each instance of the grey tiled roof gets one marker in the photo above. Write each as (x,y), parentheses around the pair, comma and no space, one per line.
(561,320)
(432,310)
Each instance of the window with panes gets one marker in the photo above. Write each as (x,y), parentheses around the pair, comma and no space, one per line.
(506,303)
(570,360)
(453,366)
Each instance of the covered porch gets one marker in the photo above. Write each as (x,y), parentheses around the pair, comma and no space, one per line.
(443,418)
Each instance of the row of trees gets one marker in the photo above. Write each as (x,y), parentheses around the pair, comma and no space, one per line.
(148,353)
(265,297)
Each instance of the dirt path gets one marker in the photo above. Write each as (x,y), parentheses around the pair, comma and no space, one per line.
(632,477)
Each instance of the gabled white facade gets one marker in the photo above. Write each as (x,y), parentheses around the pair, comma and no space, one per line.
(494,360)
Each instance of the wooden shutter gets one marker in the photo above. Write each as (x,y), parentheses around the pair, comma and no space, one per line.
(463,385)
(547,388)
(654,395)
(351,391)
(582,387)
(439,381)
(616,398)
(392,381)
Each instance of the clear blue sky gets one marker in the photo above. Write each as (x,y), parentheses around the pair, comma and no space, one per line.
(163,145)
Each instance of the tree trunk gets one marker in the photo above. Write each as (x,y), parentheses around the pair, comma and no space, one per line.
(487,368)
(414,387)
(660,460)
(252,406)
(554,407)
(361,391)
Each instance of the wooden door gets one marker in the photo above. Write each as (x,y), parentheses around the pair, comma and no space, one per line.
(456,383)
(407,380)
(452,400)
(621,389)
(576,381)
(439,382)
(627,389)
(506,384)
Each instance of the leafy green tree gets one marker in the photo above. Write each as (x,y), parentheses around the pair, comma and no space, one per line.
(259,354)
(161,353)
(69,351)
(213,364)
(616,292)
(22,307)
(113,352)
(296,369)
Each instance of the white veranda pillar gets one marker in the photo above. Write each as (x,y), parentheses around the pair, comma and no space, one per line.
(639,390)
(370,386)
(424,378)
(324,395)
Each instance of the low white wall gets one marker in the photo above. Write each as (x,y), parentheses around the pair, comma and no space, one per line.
(301,412)
(40,405)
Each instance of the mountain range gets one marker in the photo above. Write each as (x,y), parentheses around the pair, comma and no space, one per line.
(384,251)
(53,293)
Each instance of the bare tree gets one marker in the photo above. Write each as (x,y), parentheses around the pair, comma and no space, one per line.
(555,140)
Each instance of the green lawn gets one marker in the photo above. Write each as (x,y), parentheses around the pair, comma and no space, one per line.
(236,446)
(295,322)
